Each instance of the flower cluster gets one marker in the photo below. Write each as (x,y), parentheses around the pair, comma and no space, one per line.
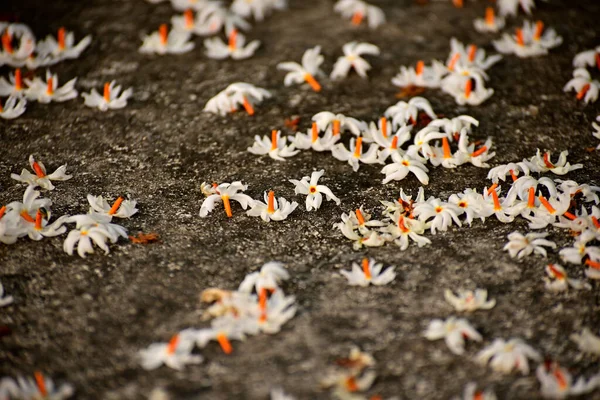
(31,217)
(463,76)
(354,376)
(582,83)
(258,306)
(529,41)
(36,387)
(21,49)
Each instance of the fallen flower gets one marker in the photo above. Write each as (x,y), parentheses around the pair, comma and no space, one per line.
(528,41)
(175,354)
(312,140)
(307,72)
(313,191)
(269,277)
(40,178)
(454,331)
(236,47)
(46,92)
(587,342)
(111,99)
(582,83)
(13,107)
(165,42)
(38,387)
(358,10)
(468,300)
(520,245)
(234,95)
(370,273)
(275,147)
(471,393)
(352,59)
(506,356)
(490,23)
(121,208)
(224,193)
(557,383)
(558,280)
(271,209)
(355,154)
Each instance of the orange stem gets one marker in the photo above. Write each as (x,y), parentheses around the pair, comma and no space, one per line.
(273,140)
(27,217)
(547,161)
(233,40)
(570,216)
(453,61)
(115,206)
(472,52)
(598,60)
(41,384)
(394,145)
(336,127)
(489,16)
(50,87)
(2,211)
(531,199)
(594,221)
(359,217)
(312,82)
(248,107)
(468,88)
(366,270)
(492,188)
(446,148)
(224,343)
(173,344)
(384,126)
(547,204)
(357,18)
(520,40)
(497,206)
(38,220)
(262,303)
(592,264)
(315,132)
(583,91)
(189,18)
(479,152)
(7,42)
(227,205)
(513,175)
(38,170)
(18,79)
(539,28)
(271,202)
(358,148)
(61,37)
(420,67)
(163,31)
(107,92)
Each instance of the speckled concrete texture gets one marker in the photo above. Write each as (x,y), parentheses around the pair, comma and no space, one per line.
(83,320)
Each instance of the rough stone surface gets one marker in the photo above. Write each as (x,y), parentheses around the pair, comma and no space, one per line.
(83,320)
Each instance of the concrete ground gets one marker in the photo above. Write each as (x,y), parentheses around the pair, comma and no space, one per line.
(83,320)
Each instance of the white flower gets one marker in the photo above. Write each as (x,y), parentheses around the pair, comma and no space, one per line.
(257,8)
(234,95)
(442,214)
(477,157)
(339,123)
(213,16)
(364,237)
(63,47)
(224,193)
(18,44)
(358,10)
(511,7)
(275,147)
(469,59)
(505,210)
(355,154)
(30,205)
(471,203)
(269,277)
(38,387)
(182,5)
(274,312)
(175,354)
(41,228)
(84,237)
(217,49)
(312,140)
(45,92)
(468,300)
(557,382)
(506,356)
(467,88)
(581,249)
(313,191)
(513,169)
(370,273)
(471,393)
(558,280)
(583,84)
(111,99)
(403,112)
(587,342)
(4,300)
(165,42)
(271,209)
(14,86)
(40,178)
(420,75)
(588,58)
(13,107)
(405,229)
(400,168)
(454,331)
(352,59)
(528,41)
(520,245)
(391,144)
(311,61)
(490,23)
(279,394)
(120,208)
